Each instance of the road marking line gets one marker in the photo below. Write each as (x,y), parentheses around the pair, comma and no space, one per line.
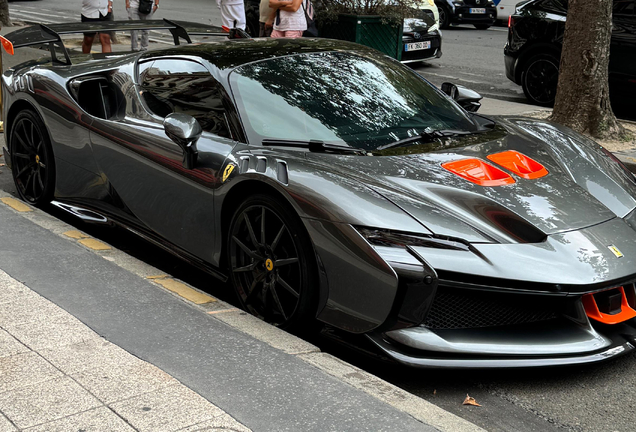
(223,311)
(75,234)
(91,243)
(185,291)
(16,205)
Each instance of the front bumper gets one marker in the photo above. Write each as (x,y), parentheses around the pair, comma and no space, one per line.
(435,51)
(462,15)
(513,317)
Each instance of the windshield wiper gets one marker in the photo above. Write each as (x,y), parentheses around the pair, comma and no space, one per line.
(427,134)
(313,146)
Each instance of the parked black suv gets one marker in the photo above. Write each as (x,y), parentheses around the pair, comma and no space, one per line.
(481,13)
(533,51)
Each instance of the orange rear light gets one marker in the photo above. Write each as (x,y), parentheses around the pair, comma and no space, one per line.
(592,309)
(519,164)
(8,46)
(479,172)
(510,21)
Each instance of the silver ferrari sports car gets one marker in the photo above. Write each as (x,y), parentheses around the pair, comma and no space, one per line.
(329,183)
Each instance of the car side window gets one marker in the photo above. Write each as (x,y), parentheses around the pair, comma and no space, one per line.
(183,86)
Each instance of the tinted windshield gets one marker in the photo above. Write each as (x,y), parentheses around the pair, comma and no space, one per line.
(340,98)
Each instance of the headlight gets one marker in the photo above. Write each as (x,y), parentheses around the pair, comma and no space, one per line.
(388,238)
(458,3)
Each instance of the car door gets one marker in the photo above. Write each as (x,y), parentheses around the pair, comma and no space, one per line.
(145,167)
(623,49)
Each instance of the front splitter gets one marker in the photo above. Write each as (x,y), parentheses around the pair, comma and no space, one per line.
(409,359)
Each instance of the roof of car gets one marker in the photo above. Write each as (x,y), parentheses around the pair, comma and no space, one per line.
(228,54)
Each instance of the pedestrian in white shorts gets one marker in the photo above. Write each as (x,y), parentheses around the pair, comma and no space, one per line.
(231,11)
(132,6)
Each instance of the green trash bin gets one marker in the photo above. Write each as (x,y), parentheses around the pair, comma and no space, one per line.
(367,30)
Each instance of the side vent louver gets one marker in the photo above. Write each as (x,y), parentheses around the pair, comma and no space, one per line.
(281,173)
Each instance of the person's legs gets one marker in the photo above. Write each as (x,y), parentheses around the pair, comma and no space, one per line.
(104,38)
(87,44)
(237,11)
(133,15)
(294,33)
(226,16)
(144,33)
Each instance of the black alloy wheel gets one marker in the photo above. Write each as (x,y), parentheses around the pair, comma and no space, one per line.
(540,79)
(271,263)
(482,26)
(444,17)
(33,166)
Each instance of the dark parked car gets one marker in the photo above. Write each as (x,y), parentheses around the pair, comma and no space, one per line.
(328,182)
(533,51)
(481,13)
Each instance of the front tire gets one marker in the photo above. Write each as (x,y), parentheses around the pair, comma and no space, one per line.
(271,262)
(32,159)
(539,79)
(444,17)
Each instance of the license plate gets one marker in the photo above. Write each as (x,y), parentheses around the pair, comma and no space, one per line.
(477,10)
(417,46)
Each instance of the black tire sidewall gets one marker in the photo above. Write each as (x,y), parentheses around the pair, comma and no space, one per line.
(444,24)
(303,317)
(524,75)
(49,187)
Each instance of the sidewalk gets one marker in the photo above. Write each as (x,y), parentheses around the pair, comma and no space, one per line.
(92,339)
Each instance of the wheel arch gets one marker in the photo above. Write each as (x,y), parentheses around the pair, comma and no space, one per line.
(17,107)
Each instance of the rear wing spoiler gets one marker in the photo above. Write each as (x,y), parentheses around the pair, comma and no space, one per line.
(52,34)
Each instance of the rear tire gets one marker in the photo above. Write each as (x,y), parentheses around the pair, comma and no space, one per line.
(272,264)
(539,79)
(32,161)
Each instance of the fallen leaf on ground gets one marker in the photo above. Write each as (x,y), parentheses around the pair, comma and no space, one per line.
(434,392)
(470,401)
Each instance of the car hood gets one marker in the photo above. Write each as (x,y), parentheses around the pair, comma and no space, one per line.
(584,187)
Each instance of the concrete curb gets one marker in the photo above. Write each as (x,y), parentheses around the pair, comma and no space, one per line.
(399,399)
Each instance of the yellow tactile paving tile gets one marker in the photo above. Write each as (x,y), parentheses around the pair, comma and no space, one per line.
(94,244)
(163,276)
(75,234)
(223,311)
(16,204)
(185,291)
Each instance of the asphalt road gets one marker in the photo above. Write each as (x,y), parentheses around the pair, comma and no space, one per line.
(473,58)
(594,398)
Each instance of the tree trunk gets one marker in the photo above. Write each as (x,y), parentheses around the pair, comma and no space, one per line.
(582,99)
(4,13)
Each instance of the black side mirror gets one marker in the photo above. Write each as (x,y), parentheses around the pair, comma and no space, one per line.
(184,130)
(467,98)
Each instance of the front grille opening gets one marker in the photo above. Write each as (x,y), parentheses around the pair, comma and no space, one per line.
(460,309)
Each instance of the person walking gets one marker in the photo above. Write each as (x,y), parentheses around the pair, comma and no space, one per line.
(92,11)
(232,13)
(132,6)
(264,12)
(288,18)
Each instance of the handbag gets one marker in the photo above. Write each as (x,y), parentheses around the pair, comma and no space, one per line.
(312,30)
(145,6)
